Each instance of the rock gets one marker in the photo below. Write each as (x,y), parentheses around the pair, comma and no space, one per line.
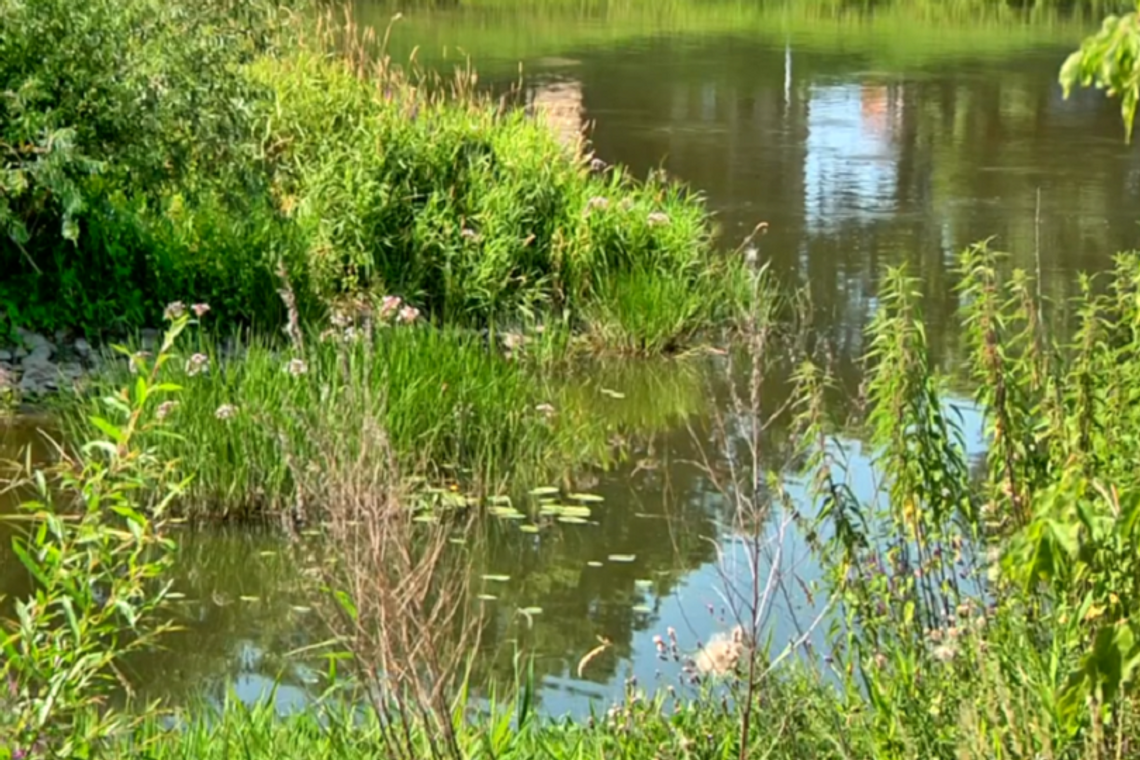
(35,341)
(41,357)
(71,370)
(5,355)
(82,348)
(20,352)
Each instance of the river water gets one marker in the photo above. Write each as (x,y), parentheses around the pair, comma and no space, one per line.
(863,141)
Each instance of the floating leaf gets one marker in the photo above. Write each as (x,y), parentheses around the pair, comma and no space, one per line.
(486,597)
(586,497)
(571,520)
(643,584)
(249,598)
(497,578)
(529,528)
(499,500)
(175,595)
(594,563)
(543,491)
(267,554)
(503,511)
(300,609)
(531,610)
(642,608)
(622,557)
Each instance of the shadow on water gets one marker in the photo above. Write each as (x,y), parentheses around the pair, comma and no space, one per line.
(864,142)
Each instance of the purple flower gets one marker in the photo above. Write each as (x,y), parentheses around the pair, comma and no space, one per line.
(389,305)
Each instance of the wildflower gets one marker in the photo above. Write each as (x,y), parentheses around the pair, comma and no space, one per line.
(196,364)
(597,164)
(135,360)
(164,409)
(174,311)
(339,319)
(408,314)
(226,412)
(200,309)
(657,218)
(296,367)
(945,652)
(389,305)
(470,234)
(598,203)
(546,409)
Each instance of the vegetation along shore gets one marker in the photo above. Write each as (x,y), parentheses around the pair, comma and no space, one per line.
(253,268)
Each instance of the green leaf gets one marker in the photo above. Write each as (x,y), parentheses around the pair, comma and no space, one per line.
(107,428)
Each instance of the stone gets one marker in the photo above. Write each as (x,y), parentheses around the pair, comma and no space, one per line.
(5,355)
(34,341)
(82,348)
(20,352)
(71,370)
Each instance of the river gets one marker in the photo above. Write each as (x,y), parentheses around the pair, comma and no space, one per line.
(863,141)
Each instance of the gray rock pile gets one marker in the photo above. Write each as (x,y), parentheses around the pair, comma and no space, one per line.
(38,365)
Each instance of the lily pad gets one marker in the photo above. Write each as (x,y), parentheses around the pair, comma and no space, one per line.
(531,610)
(497,578)
(642,608)
(622,557)
(572,520)
(486,597)
(529,528)
(586,497)
(543,491)
(594,563)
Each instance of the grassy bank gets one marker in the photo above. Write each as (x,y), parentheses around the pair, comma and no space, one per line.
(137,185)
(887,36)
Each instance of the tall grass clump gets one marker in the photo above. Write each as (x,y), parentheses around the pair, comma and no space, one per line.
(458,408)
(478,213)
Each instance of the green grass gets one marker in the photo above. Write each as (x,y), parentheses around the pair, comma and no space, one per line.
(454,407)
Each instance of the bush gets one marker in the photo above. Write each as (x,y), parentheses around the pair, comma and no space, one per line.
(217,141)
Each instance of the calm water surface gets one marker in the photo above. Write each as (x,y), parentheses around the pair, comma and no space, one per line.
(863,144)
